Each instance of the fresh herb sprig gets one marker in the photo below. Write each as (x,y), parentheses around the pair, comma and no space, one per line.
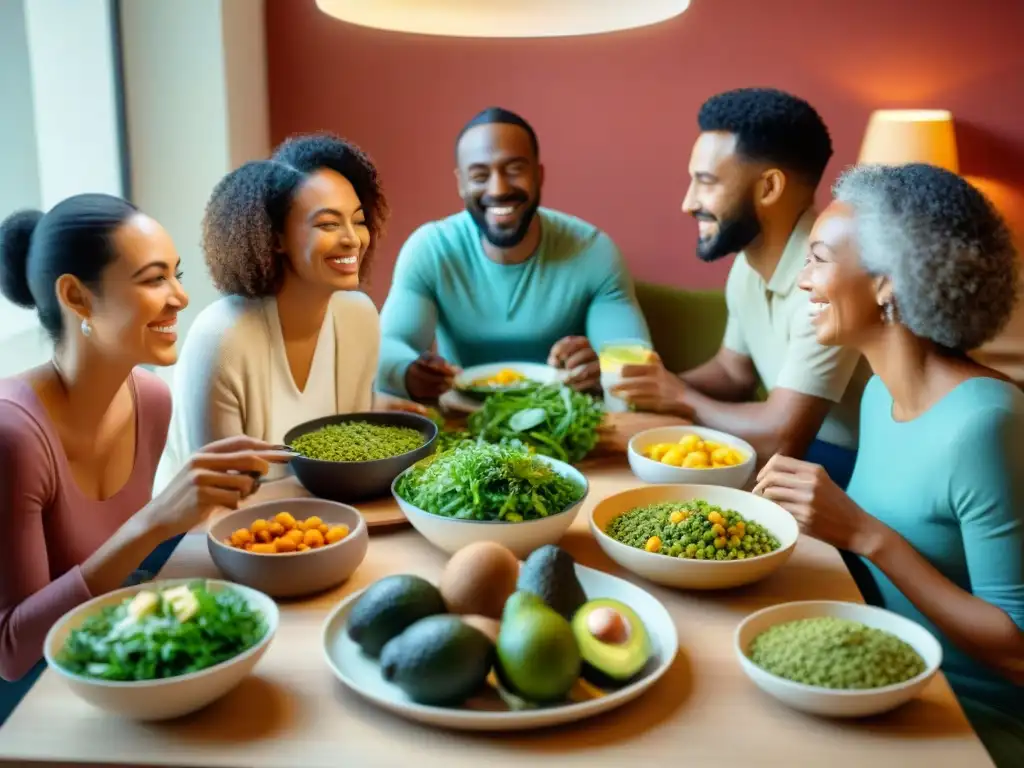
(553,419)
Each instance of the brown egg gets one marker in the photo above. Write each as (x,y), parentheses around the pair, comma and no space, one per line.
(479,579)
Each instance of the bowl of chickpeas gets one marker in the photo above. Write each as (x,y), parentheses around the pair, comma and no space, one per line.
(289,547)
(691,455)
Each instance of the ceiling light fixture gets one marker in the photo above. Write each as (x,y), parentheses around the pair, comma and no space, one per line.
(503,18)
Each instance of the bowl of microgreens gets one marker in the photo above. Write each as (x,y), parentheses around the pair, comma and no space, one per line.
(160,650)
(479,491)
(356,456)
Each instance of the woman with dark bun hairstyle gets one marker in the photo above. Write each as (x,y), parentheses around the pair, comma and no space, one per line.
(289,242)
(81,435)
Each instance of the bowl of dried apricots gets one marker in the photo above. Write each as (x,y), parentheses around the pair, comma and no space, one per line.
(289,547)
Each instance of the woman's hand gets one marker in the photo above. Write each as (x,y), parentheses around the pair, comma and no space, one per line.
(220,474)
(820,507)
(382,402)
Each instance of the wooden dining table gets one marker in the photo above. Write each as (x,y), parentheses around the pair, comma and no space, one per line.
(291,712)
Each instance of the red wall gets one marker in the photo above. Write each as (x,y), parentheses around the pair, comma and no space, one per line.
(615,113)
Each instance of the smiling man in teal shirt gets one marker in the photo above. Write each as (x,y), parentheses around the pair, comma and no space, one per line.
(504,280)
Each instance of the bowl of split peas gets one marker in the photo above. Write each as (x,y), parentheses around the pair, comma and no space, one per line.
(289,547)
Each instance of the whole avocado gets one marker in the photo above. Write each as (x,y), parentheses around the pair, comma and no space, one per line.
(550,573)
(538,659)
(438,661)
(388,606)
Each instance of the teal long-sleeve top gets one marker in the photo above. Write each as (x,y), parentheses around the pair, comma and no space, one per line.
(479,311)
(951,482)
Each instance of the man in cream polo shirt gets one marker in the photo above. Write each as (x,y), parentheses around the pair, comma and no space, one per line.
(755,168)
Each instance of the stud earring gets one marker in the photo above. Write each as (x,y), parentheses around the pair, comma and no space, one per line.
(889,312)
(86,328)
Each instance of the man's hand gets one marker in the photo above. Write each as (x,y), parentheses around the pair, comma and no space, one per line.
(574,354)
(652,387)
(429,376)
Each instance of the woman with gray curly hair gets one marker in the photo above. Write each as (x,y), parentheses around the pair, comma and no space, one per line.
(288,241)
(913,267)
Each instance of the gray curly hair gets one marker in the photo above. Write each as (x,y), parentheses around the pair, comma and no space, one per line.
(946,250)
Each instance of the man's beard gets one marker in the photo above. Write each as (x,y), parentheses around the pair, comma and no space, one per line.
(502,238)
(735,233)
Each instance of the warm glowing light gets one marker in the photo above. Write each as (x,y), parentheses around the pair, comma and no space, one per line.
(899,136)
(503,18)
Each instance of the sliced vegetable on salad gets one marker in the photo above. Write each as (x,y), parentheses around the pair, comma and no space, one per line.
(164,633)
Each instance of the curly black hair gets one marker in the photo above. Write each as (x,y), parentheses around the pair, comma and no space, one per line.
(246,212)
(771,126)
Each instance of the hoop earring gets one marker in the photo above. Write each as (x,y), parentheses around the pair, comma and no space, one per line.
(86,328)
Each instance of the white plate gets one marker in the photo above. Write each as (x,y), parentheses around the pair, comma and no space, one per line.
(536,372)
(362,674)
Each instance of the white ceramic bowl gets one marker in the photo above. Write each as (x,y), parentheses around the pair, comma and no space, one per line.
(696,574)
(291,574)
(651,471)
(451,534)
(825,701)
(150,700)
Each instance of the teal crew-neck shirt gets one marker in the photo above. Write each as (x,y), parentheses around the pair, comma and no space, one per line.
(951,482)
(575,284)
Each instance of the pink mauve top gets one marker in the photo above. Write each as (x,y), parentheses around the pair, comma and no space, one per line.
(50,525)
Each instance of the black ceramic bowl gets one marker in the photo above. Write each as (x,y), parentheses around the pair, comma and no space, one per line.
(349,481)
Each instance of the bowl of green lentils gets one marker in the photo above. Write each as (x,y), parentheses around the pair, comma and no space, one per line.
(836,659)
(356,456)
(695,536)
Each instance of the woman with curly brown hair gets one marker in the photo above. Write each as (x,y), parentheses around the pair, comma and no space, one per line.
(288,241)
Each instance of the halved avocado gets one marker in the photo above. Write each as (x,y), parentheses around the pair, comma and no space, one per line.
(613,642)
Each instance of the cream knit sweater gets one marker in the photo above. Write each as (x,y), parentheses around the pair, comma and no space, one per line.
(222,379)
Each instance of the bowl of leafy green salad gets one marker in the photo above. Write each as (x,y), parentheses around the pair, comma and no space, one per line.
(479,491)
(160,650)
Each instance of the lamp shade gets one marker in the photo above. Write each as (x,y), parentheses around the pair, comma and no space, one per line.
(503,18)
(899,136)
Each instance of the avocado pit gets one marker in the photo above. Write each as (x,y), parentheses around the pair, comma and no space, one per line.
(608,626)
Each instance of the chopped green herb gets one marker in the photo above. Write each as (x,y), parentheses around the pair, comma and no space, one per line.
(115,645)
(482,481)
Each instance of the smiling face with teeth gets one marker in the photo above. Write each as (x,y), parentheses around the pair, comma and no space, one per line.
(500,178)
(133,312)
(326,234)
(845,299)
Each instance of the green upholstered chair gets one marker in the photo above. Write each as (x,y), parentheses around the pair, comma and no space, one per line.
(686,326)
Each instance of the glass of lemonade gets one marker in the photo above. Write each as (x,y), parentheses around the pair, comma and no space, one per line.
(613,355)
